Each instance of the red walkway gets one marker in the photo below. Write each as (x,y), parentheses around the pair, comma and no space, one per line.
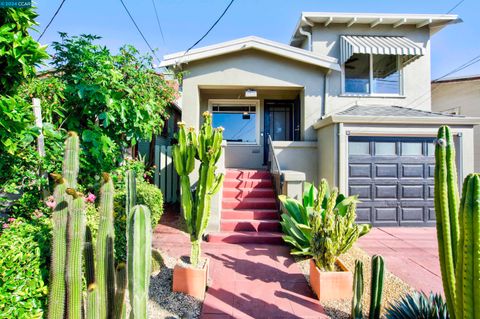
(247,281)
(410,253)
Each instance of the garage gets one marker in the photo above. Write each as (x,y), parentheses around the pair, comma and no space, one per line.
(393,177)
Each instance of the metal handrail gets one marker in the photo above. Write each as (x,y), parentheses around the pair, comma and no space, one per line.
(274,164)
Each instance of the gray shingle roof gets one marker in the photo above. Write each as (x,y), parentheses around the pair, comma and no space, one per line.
(393,111)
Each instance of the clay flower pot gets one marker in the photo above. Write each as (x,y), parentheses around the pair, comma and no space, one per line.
(331,285)
(189,280)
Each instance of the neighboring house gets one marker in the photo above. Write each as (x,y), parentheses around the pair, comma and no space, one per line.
(347,100)
(459,95)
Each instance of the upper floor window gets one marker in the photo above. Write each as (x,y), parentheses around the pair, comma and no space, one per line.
(373,74)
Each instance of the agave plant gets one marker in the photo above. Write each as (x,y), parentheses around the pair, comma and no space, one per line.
(419,305)
(298,221)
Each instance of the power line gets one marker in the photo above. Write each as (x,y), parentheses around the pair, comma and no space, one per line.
(139,31)
(461,67)
(211,28)
(158,21)
(456,6)
(51,20)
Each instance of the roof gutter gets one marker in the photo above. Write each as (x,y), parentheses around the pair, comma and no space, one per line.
(306,33)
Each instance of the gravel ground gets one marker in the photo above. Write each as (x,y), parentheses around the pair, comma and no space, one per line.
(394,287)
(163,303)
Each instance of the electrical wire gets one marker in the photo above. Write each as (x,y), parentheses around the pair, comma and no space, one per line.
(51,20)
(140,31)
(158,21)
(211,28)
(456,6)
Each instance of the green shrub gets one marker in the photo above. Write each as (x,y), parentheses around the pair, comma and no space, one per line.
(148,195)
(25,248)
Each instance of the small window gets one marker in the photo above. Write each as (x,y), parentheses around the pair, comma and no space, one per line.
(411,149)
(372,74)
(359,148)
(385,148)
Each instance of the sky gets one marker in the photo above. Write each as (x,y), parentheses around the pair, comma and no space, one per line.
(184,21)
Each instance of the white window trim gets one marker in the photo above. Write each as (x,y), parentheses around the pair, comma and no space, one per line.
(230,102)
(401,94)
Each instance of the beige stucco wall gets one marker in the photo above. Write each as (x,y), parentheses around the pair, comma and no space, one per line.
(298,156)
(416,75)
(254,69)
(462,98)
(330,147)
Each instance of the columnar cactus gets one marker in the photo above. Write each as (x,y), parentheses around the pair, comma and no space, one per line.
(92,295)
(104,249)
(207,148)
(446,210)
(121,278)
(376,289)
(59,233)
(76,238)
(139,260)
(357,311)
(467,270)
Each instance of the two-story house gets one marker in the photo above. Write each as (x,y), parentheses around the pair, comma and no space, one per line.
(348,99)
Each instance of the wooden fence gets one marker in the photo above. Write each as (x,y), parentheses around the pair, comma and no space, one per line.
(166,177)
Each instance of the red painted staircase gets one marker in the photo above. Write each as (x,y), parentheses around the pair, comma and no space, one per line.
(249,209)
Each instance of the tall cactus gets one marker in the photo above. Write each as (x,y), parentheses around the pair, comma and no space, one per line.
(76,237)
(468,269)
(121,279)
(376,288)
(357,311)
(104,249)
(446,210)
(57,300)
(207,148)
(139,260)
(92,295)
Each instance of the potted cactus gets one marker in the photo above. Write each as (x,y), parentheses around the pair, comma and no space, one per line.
(191,277)
(333,232)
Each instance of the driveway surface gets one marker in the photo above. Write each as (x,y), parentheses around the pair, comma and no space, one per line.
(410,253)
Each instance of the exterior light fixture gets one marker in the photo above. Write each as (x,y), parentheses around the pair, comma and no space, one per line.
(250,93)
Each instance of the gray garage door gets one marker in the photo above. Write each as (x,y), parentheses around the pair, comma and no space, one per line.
(393,177)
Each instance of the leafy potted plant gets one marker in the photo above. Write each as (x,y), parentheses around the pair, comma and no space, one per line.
(324,227)
(191,277)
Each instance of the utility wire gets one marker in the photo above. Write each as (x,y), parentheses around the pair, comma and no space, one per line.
(158,21)
(51,20)
(211,28)
(139,31)
(456,6)
(461,67)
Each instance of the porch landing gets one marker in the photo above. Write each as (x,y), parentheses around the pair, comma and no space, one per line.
(247,280)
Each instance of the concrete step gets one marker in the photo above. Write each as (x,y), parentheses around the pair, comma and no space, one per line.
(248,193)
(249,203)
(250,225)
(246,237)
(247,174)
(249,183)
(250,214)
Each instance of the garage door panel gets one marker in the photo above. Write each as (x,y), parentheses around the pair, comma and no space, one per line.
(361,170)
(394,180)
(385,214)
(364,214)
(411,192)
(386,171)
(364,192)
(412,214)
(412,171)
(386,192)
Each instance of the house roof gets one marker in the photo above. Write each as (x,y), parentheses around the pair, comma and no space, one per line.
(465,78)
(247,43)
(374,114)
(434,21)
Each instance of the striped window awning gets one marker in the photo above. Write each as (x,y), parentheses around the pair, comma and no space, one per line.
(351,44)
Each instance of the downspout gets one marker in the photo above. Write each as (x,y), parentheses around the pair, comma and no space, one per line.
(306,33)
(326,77)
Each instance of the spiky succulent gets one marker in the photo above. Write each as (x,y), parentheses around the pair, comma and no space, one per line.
(418,305)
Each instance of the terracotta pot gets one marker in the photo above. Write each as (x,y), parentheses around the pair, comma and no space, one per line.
(331,285)
(190,281)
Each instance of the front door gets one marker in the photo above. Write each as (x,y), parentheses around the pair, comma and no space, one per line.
(279,122)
